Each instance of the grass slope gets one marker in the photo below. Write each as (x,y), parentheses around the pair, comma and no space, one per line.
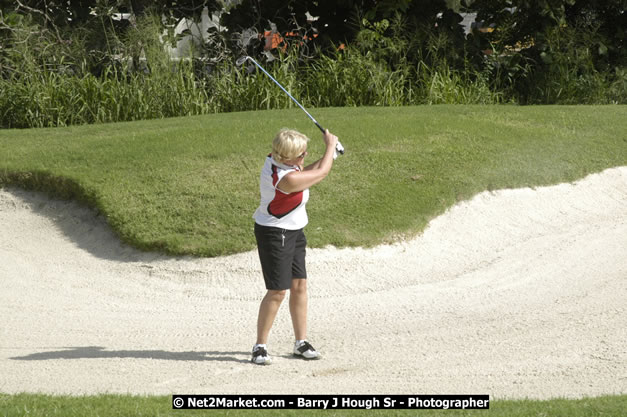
(190,185)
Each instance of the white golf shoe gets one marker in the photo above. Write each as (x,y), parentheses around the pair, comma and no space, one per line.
(260,356)
(306,351)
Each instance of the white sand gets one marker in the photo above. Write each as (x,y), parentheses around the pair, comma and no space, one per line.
(516,293)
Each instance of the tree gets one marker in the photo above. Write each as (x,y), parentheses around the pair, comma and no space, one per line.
(86,32)
(608,19)
(566,47)
(335,21)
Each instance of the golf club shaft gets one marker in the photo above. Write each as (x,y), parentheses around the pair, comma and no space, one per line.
(339,148)
(288,93)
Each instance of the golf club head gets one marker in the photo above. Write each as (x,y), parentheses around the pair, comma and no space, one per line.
(241,60)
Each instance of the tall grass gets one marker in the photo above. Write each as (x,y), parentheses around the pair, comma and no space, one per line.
(346,78)
(352,78)
(53,99)
(442,85)
(140,81)
(42,95)
(234,88)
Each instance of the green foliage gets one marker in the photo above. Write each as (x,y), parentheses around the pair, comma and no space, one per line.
(51,89)
(55,100)
(555,51)
(350,78)
(567,73)
(384,41)
(445,86)
(235,89)
(618,86)
(94,68)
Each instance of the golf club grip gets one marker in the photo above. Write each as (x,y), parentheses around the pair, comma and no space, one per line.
(338,148)
(320,127)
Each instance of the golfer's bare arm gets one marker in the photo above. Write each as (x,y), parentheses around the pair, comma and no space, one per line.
(312,174)
(314,165)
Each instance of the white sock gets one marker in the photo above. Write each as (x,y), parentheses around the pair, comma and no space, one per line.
(300,342)
(259,345)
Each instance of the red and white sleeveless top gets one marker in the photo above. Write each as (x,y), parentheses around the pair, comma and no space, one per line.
(279,209)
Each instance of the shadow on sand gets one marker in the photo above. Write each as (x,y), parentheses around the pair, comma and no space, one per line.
(98,352)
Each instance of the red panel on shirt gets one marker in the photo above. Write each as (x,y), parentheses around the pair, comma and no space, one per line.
(282,204)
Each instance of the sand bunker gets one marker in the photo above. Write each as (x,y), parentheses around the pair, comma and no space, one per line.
(515,293)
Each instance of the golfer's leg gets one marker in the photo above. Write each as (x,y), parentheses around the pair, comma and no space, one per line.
(298,308)
(267,312)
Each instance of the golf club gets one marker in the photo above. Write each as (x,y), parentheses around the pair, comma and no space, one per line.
(338,148)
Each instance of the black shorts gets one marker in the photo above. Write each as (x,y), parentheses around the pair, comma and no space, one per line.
(282,255)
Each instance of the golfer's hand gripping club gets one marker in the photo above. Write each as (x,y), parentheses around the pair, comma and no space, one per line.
(331,140)
(339,149)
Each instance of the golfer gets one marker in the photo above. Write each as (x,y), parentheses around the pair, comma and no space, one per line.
(279,223)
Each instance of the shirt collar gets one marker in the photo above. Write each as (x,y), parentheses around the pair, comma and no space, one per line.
(284,166)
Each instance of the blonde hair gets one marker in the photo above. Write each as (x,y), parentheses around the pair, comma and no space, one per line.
(288,144)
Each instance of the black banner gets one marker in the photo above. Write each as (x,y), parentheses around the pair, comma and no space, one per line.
(332,402)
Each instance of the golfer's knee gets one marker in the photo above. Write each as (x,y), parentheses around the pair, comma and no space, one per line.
(299,286)
(277,295)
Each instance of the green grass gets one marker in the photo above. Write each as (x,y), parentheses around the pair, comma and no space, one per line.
(190,185)
(34,405)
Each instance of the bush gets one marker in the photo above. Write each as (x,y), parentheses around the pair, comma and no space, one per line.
(566,70)
(48,91)
(51,78)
